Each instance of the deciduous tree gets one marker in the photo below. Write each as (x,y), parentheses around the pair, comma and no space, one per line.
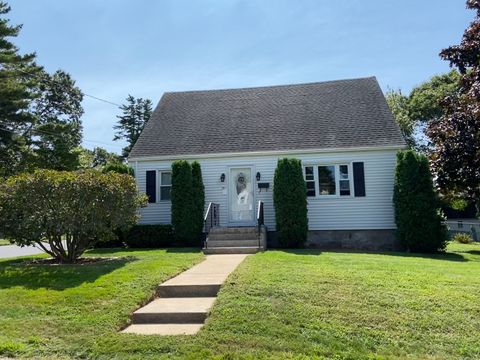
(71,211)
(455,136)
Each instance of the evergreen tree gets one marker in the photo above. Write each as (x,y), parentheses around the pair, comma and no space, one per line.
(198,199)
(417,214)
(17,81)
(290,200)
(182,205)
(135,114)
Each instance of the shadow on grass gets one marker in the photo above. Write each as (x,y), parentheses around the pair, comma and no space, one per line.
(439,256)
(55,277)
(180,250)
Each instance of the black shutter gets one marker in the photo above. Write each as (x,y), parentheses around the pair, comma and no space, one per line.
(151,186)
(358,179)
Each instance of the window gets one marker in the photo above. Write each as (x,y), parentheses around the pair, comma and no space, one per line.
(310,180)
(344,180)
(165,185)
(328,180)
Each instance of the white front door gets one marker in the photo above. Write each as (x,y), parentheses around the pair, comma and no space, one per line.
(240,193)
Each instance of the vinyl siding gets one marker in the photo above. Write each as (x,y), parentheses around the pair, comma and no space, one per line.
(374,211)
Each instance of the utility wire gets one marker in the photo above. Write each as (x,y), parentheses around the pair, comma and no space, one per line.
(45,79)
(59,135)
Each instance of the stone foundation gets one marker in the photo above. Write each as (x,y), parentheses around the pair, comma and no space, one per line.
(371,240)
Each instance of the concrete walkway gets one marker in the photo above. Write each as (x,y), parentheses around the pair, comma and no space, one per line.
(185,300)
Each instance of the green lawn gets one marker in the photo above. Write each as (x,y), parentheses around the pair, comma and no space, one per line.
(4,242)
(288,304)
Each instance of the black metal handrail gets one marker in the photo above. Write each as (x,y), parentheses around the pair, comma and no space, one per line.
(212,217)
(260,219)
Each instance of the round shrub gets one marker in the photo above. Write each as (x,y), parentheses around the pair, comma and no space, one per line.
(290,200)
(70,210)
(462,238)
(417,213)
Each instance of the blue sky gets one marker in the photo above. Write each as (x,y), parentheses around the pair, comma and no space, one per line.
(114,47)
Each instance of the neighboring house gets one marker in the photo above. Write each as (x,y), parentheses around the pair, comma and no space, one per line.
(342,131)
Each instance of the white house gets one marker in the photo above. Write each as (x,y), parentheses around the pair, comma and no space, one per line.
(342,131)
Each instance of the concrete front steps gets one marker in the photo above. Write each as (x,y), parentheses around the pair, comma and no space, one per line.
(236,240)
(185,300)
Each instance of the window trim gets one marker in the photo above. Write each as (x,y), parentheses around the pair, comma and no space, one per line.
(336,166)
(159,186)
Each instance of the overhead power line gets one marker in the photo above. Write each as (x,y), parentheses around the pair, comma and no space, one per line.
(83,93)
(59,135)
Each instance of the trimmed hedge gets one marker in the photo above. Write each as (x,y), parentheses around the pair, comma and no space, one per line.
(182,204)
(198,199)
(188,201)
(417,208)
(150,236)
(290,200)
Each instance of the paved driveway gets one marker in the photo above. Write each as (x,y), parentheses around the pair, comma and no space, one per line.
(8,251)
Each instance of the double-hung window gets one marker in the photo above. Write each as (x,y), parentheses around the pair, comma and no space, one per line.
(165,185)
(310,180)
(328,180)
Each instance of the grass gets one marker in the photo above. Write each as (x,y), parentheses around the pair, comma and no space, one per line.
(4,242)
(278,304)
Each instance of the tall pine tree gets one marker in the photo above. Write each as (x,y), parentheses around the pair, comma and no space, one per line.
(135,114)
(17,82)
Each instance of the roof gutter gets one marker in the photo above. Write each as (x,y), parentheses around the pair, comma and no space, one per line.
(265,153)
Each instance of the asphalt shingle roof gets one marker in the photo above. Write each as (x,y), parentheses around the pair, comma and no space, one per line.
(333,114)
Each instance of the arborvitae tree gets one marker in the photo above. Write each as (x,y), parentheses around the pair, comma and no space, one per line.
(290,200)
(417,213)
(198,199)
(182,204)
(17,81)
(136,113)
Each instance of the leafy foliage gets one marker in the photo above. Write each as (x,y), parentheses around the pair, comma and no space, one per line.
(97,158)
(58,129)
(79,207)
(462,238)
(290,200)
(455,136)
(119,168)
(198,199)
(398,104)
(150,236)
(136,113)
(182,204)
(416,110)
(417,214)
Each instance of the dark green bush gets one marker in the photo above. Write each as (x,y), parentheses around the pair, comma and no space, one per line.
(198,199)
(119,168)
(290,200)
(417,212)
(182,204)
(150,236)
